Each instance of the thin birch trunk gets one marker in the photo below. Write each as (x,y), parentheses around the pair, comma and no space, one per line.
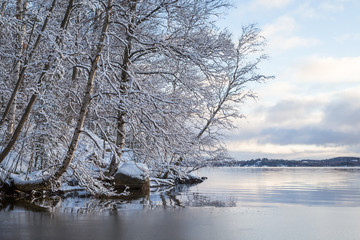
(3,7)
(21,8)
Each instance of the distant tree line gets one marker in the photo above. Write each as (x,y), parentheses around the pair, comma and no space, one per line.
(264,162)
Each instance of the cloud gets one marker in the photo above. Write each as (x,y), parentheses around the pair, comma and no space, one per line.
(294,112)
(270,4)
(332,6)
(285,43)
(347,37)
(310,135)
(326,9)
(343,37)
(343,113)
(330,70)
(336,121)
(280,35)
(272,148)
(253,149)
(283,24)
(309,127)
(307,10)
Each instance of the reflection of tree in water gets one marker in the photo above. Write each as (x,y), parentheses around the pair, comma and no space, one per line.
(180,196)
(76,203)
(199,200)
(66,204)
(12,204)
(348,170)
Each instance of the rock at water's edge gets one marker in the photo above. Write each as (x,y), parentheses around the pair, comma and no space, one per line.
(190,179)
(132,175)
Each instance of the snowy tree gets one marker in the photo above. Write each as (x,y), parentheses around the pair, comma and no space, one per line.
(153,81)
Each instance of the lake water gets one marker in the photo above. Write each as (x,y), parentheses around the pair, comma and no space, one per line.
(234,203)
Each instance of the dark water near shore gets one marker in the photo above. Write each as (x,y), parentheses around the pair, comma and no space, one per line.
(234,203)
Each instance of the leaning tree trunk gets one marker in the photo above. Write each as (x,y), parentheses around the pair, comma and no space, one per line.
(3,6)
(20,11)
(46,183)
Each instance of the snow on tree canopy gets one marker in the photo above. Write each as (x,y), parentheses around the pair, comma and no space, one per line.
(86,86)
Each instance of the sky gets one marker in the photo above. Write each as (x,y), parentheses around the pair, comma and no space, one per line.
(311,109)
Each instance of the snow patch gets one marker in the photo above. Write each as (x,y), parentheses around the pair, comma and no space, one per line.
(35,178)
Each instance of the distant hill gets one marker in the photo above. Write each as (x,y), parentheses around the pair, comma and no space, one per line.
(264,162)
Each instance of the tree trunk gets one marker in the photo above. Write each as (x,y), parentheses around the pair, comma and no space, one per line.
(20,11)
(212,116)
(3,6)
(17,132)
(121,118)
(120,143)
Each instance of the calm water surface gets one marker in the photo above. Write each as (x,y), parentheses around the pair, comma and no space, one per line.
(234,203)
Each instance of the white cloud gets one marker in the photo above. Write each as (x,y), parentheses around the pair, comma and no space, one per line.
(346,37)
(270,4)
(333,7)
(343,37)
(330,70)
(283,24)
(285,43)
(280,35)
(252,149)
(310,9)
(307,10)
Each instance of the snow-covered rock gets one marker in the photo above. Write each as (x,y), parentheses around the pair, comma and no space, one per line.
(132,175)
(190,178)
